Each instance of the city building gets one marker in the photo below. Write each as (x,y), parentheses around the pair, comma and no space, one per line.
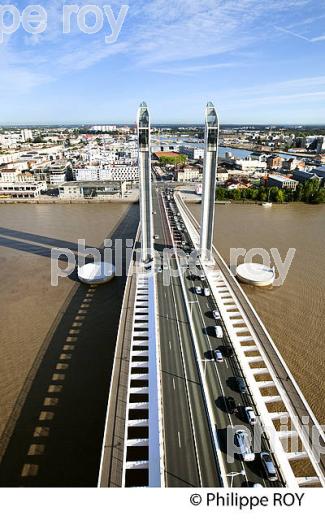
(251,164)
(26,135)
(320,172)
(281,181)
(303,176)
(293,164)
(189,174)
(92,189)
(15,175)
(315,143)
(57,172)
(103,128)
(192,152)
(274,162)
(115,173)
(21,190)
(222,175)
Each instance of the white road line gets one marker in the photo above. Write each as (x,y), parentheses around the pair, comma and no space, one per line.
(179,440)
(170,345)
(174,384)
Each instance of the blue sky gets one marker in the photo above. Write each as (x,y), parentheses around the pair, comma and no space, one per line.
(259,61)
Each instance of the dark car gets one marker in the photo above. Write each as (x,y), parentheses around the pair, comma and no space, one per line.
(231,405)
(241,385)
(268,466)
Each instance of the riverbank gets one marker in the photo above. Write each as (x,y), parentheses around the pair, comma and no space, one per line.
(253,149)
(125,200)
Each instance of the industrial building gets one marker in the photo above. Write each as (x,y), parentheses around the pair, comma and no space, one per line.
(281,181)
(92,189)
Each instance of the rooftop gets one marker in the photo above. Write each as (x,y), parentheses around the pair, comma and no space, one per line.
(278,177)
(97,184)
(166,154)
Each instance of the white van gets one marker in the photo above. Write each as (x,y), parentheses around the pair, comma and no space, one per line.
(241,441)
(218,331)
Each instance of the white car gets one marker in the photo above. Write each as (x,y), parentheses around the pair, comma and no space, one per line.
(198,290)
(218,356)
(207,292)
(241,441)
(250,415)
(218,331)
(216,315)
(156,237)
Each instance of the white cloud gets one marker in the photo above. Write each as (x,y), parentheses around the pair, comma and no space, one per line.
(175,37)
(188,70)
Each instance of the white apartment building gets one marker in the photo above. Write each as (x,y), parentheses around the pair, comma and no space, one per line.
(192,152)
(21,190)
(14,175)
(222,176)
(103,128)
(189,174)
(114,173)
(248,165)
(26,135)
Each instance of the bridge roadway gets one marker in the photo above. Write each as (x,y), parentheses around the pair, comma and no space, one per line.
(190,458)
(297,401)
(189,448)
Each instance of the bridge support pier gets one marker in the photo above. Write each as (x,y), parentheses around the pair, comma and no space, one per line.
(209,182)
(143,122)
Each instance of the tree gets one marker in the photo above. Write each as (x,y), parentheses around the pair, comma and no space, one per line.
(236,194)
(280,197)
(311,187)
(298,194)
(173,159)
(262,194)
(221,194)
(320,196)
(38,139)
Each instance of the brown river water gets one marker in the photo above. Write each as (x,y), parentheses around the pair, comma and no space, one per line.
(293,313)
(29,305)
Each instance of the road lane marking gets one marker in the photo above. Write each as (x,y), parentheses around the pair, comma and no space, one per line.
(170,345)
(174,383)
(179,440)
